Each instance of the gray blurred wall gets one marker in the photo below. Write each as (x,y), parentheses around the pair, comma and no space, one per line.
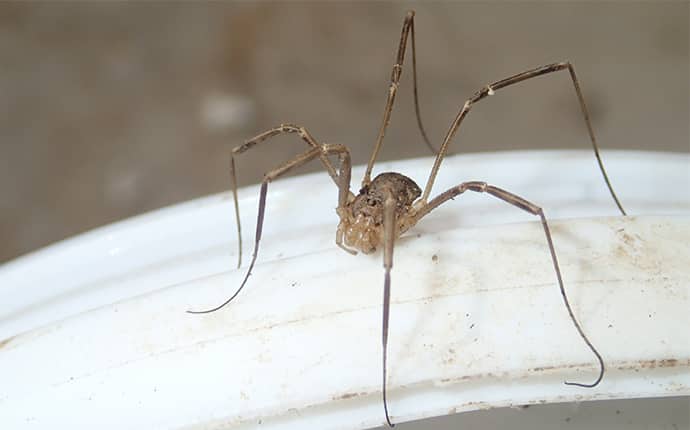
(112,109)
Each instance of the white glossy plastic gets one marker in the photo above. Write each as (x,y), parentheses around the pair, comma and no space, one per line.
(93,332)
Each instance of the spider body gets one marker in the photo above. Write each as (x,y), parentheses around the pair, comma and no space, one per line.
(362,218)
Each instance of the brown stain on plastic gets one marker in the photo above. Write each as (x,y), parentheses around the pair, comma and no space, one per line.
(351,395)
(625,365)
(633,248)
(474,376)
(549,368)
(621,365)
(668,362)
(5,342)
(625,244)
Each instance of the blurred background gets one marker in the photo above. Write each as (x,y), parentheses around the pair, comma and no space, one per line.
(108,110)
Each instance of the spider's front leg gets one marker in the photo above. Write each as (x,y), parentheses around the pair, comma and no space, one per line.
(264,137)
(396,74)
(342,180)
(491,89)
(525,205)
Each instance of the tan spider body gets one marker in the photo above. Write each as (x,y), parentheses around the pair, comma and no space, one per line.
(362,218)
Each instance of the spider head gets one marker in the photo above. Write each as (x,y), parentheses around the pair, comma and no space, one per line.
(362,225)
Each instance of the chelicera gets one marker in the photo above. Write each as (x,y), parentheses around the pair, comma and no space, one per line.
(391,203)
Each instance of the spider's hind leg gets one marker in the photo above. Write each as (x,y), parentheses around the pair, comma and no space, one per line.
(343,180)
(525,205)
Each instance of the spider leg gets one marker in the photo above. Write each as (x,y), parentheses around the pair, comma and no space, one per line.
(275,131)
(495,86)
(396,73)
(389,233)
(343,181)
(515,200)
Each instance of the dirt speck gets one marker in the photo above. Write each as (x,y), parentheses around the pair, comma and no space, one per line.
(434,258)
(349,395)
(5,342)
(629,240)
(450,358)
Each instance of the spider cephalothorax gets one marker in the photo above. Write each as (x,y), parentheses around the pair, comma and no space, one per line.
(361,223)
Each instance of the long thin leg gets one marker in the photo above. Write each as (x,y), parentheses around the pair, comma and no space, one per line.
(344,175)
(389,226)
(490,90)
(285,129)
(407,29)
(483,187)
(275,131)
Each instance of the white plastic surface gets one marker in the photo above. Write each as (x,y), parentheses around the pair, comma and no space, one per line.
(93,331)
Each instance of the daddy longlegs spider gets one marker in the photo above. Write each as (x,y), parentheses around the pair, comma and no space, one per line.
(390,204)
